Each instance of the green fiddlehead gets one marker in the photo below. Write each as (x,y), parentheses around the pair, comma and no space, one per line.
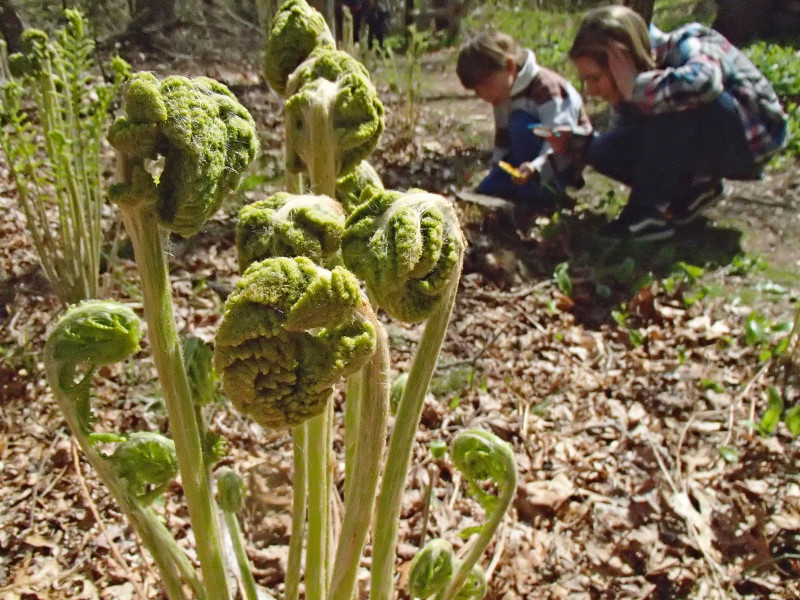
(351,126)
(289,225)
(296,31)
(324,63)
(480,456)
(431,569)
(407,247)
(206,137)
(474,587)
(89,335)
(147,463)
(290,331)
(94,333)
(349,187)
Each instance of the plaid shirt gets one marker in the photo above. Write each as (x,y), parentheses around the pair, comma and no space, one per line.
(698,65)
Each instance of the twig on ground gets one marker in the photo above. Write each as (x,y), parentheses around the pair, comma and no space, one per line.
(474,359)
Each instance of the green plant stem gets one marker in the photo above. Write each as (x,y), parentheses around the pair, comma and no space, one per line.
(322,169)
(487,532)
(141,223)
(168,556)
(406,422)
(374,409)
(351,419)
(294,562)
(246,574)
(318,508)
(322,178)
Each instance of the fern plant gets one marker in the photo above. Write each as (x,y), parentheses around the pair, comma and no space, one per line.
(53,110)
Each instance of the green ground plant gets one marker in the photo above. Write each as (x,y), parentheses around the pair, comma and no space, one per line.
(301,318)
(205,139)
(781,65)
(54,150)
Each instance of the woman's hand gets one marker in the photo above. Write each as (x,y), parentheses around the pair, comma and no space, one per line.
(622,67)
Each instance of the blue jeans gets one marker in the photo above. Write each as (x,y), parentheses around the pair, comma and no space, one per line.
(524,147)
(658,156)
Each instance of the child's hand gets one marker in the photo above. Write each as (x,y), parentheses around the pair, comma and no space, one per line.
(622,67)
(526,170)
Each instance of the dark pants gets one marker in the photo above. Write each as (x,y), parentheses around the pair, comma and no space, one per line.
(658,156)
(377,21)
(524,147)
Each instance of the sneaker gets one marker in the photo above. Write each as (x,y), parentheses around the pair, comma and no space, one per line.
(643,228)
(701,194)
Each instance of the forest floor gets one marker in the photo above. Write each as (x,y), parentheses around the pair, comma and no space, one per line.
(629,380)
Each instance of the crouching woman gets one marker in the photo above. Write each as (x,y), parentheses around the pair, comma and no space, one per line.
(688,109)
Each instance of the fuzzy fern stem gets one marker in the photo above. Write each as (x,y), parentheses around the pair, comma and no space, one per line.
(399,456)
(141,223)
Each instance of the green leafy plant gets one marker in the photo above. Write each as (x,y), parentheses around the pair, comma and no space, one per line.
(54,150)
(761,333)
(480,456)
(292,328)
(781,65)
(206,139)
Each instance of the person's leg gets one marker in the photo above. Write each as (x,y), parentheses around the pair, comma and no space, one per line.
(524,146)
(531,196)
(720,145)
(614,152)
(497,183)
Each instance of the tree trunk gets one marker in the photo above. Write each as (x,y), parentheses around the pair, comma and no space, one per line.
(742,20)
(10,25)
(643,7)
(146,14)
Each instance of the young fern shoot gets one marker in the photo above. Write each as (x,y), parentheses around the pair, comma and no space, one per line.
(55,154)
(90,335)
(207,139)
(409,249)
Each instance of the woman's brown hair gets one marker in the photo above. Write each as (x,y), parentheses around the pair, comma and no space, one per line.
(608,24)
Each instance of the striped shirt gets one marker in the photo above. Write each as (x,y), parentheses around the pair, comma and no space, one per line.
(699,65)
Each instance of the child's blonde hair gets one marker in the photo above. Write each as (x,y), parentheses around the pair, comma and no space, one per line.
(607,24)
(485,54)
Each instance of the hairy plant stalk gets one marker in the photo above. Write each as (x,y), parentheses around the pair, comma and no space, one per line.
(399,456)
(247,580)
(73,400)
(317,450)
(299,484)
(367,460)
(141,223)
(322,169)
(351,423)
